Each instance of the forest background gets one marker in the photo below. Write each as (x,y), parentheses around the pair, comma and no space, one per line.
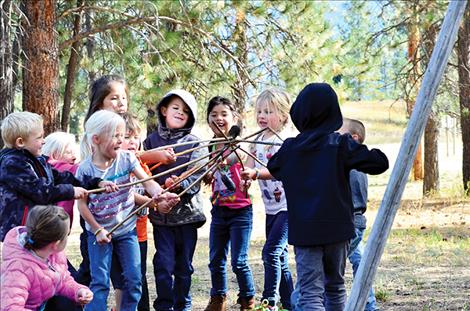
(51,50)
(374,53)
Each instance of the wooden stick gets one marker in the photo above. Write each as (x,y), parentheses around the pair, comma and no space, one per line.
(184,152)
(257,142)
(138,209)
(255,133)
(229,139)
(253,157)
(157,175)
(277,135)
(206,172)
(185,143)
(393,193)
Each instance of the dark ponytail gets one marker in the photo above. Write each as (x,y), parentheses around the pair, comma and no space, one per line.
(45,224)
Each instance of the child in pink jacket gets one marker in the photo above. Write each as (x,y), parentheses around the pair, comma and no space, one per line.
(34,267)
(61,149)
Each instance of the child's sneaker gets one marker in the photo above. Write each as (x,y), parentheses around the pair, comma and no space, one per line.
(246,303)
(264,306)
(217,303)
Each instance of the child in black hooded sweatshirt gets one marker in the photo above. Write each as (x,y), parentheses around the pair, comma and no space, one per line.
(314,169)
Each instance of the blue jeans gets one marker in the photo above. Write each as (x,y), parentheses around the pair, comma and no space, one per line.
(144,304)
(83,273)
(172,266)
(230,227)
(320,277)
(277,276)
(355,256)
(126,246)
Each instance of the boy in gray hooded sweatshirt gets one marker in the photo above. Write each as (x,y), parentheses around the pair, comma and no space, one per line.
(175,233)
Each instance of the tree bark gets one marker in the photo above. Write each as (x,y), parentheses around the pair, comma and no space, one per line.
(41,63)
(6,62)
(431,155)
(431,132)
(90,42)
(413,57)
(71,71)
(239,36)
(463,50)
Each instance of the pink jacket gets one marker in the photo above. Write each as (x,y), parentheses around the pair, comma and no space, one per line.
(27,281)
(62,166)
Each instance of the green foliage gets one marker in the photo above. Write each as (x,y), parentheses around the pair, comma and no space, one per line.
(238,48)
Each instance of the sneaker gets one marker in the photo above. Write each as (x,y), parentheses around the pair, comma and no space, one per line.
(246,303)
(217,303)
(264,306)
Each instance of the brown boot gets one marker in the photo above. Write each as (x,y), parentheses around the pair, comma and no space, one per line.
(246,303)
(217,303)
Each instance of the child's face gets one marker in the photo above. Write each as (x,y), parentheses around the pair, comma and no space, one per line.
(116,100)
(176,113)
(131,141)
(33,143)
(223,117)
(267,116)
(69,155)
(109,147)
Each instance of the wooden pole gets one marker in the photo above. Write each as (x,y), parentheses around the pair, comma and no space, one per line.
(391,201)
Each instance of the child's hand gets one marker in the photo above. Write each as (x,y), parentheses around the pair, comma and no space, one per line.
(84,296)
(165,202)
(248,174)
(108,185)
(168,156)
(102,236)
(79,193)
(170,181)
(245,185)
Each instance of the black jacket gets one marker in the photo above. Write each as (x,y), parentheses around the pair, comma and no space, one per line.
(314,169)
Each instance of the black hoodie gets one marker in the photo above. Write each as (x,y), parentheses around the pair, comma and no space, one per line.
(314,169)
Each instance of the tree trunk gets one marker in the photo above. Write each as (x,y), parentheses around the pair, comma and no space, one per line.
(90,42)
(463,50)
(239,36)
(431,132)
(41,65)
(413,57)
(6,62)
(71,71)
(431,160)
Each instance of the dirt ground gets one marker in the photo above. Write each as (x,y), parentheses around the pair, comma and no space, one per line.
(424,266)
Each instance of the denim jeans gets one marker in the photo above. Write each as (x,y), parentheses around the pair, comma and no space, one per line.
(230,227)
(355,256)
(144,303)
(172,266)
(83,273)
(320,277)
(277,276)
(127,248)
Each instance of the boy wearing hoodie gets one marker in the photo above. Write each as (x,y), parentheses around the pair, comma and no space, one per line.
(314,168)
(175,233)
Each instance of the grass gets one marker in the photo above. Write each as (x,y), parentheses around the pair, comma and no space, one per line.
(384,121)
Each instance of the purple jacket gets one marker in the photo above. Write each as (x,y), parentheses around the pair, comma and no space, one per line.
(27,281)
